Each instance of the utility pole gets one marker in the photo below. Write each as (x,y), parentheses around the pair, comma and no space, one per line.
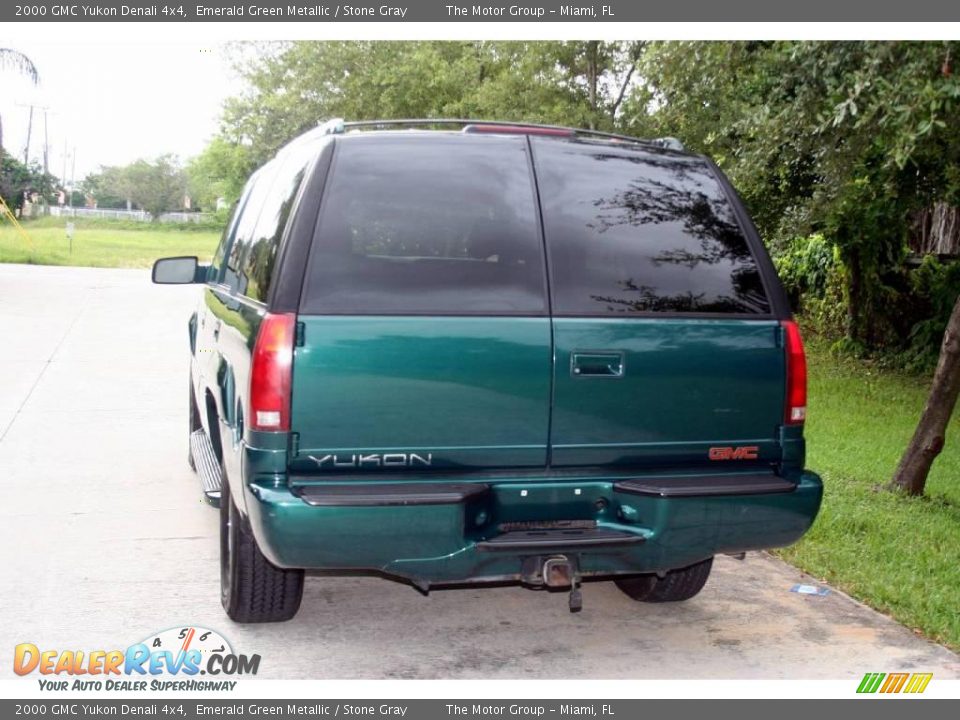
(46,162)
(46,145)
(26,150)
(67,186)
(73,170)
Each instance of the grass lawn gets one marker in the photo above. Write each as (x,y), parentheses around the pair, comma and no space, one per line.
(100,245)
(899,555)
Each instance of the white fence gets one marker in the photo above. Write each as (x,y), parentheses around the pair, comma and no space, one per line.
(134,215)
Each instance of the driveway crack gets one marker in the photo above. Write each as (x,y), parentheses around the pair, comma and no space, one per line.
(43,370)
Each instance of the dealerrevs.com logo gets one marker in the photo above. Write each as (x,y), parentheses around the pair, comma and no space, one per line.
(183,653)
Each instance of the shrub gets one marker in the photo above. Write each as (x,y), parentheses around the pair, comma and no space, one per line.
(935,286)
(911,307)
(813,277)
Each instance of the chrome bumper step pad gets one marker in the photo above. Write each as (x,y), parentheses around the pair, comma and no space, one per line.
(208,467)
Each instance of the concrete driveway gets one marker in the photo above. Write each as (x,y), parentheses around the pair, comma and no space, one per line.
(106,541)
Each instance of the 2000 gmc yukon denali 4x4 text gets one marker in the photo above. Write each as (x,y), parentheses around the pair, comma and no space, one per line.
(492,352)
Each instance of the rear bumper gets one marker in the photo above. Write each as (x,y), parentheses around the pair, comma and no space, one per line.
(436,532)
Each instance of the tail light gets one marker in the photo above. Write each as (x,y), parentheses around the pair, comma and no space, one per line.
(270,373)
(796,411)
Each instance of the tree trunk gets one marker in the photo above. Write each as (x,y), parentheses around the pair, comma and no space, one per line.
(593,73)
(928,439)
(936,229)
(855,296)
(636,51)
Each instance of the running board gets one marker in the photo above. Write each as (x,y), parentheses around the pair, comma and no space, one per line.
(208,467)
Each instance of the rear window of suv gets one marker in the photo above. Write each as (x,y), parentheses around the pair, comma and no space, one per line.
(630,231)
(439,225)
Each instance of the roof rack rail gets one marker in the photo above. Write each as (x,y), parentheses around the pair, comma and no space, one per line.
(338,126)
(334,126)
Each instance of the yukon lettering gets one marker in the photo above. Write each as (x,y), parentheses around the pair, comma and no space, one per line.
(374,460)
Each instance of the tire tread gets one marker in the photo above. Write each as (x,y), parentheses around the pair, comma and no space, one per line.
(259,590)
(676,586)
(264,592)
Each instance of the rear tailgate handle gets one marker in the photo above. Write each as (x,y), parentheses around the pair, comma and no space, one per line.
(597,364)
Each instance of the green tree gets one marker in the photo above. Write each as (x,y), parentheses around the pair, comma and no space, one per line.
(16,179)
(220,171)
(157,187)
(113,185)
(850,139)
(599,75)
(106,189)
(11,59)
(930,435)
(292,86)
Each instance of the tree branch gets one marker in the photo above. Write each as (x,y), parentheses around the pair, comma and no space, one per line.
(623,89)
(635,53)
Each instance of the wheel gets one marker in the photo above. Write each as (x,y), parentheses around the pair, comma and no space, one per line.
(676,585)
(637,587)
(195,424)
(252,589)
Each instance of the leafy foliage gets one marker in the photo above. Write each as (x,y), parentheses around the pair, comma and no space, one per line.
(157,187)
(935,288)
(218,172)
(806,265)
(291,86)
(16,61)
(841,141)
(16,179)
(844,139)
(11,59)
(106,187)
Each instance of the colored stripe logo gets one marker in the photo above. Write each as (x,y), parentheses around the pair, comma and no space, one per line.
(894,682)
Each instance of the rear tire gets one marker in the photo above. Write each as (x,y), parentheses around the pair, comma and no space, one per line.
(252,589)
(675,586)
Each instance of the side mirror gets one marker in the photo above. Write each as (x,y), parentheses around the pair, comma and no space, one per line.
(178,271)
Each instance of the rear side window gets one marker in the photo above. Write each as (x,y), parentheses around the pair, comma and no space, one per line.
(235,276)
(634,232)
(433,225)
(261,225)
(229,231)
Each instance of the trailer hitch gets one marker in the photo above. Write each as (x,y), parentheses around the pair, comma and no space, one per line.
(561,571)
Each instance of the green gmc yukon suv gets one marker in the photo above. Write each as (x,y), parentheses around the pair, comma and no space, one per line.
(463,352)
